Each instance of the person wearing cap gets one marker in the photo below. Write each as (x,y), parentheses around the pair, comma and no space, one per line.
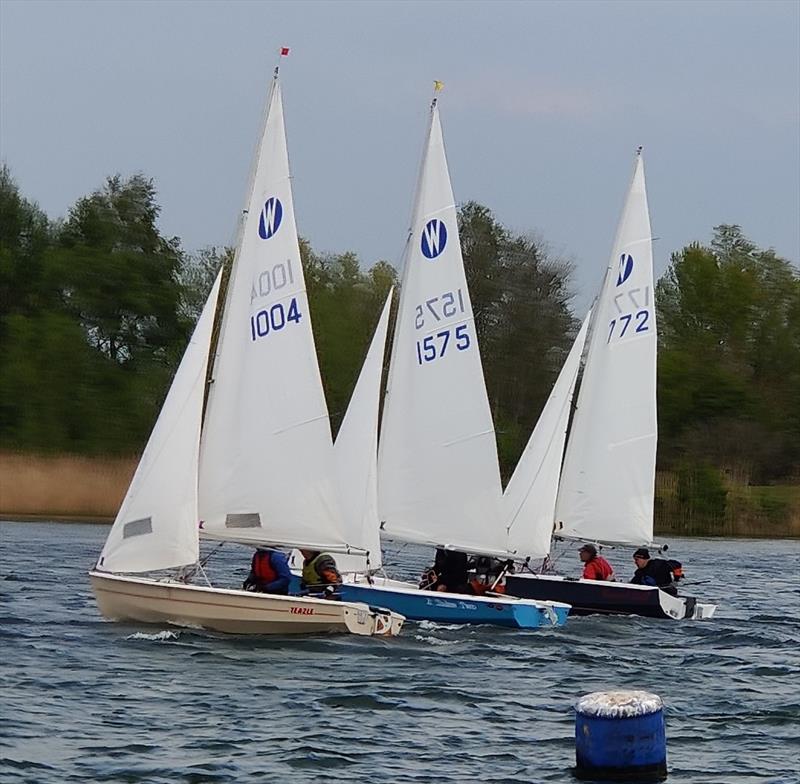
(595,567)
(653,571)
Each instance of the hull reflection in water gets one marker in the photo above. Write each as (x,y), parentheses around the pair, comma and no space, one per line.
(234,612)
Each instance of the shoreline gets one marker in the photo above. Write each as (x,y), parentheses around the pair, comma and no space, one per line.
(8,517)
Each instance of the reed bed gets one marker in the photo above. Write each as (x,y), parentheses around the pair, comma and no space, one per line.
(63,486)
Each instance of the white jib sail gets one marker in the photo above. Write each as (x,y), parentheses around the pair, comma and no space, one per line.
(156,526)
(266,459)
(356,452)
(438,474)
(529,500)
(608,478)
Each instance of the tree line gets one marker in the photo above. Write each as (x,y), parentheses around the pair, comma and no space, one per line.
(96,309)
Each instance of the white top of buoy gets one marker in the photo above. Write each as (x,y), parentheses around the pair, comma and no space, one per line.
(619,704)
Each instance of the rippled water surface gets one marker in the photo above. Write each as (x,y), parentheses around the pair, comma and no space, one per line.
(82,699)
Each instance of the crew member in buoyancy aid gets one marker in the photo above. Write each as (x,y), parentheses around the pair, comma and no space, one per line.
(319,570)
(269,572)
(489,574)
(656,571)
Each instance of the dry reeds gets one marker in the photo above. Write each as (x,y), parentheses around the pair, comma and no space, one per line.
(63,486)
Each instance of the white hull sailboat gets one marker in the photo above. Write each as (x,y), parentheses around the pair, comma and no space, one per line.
(438,478)
(231,611)
(604,492)
(246,458)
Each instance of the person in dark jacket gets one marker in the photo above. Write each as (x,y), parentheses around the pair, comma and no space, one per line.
(449,572)
(653,571)
(269,572)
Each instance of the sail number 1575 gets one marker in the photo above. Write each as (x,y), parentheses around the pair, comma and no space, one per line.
(435,346)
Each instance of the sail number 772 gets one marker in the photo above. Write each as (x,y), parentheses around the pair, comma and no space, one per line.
(628,324)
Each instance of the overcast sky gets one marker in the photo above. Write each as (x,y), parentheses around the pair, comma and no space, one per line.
(543,107)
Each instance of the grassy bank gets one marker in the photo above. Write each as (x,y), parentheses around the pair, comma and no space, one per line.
(73,488)
(710,503)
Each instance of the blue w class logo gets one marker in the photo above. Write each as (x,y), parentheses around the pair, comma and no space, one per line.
(625,268)
(434,238)
(271,216)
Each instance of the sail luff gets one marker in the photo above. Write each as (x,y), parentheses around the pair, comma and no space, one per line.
(607,485)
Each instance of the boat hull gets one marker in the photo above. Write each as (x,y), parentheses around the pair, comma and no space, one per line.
(607,598)
(417,605)
(231,611)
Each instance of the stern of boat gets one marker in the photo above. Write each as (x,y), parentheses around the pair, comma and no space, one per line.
(372,621)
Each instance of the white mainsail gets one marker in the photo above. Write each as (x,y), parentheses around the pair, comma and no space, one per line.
(356,453)
(266,467)
(156,526)
(529,500)
(607,481)
(438,473)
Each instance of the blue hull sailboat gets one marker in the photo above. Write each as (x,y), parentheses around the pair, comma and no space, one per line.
(436,478)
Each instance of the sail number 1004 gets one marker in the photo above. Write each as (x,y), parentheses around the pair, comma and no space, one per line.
(274,319)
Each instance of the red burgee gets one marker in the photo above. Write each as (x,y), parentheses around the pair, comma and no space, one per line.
(284,51)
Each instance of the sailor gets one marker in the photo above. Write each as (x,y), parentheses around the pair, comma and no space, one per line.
(269,572)
(595,567)
(319,569)
(450,568)
(653,571)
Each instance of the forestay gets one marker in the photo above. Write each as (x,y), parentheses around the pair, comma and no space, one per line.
(438,474)
(266,469)
(356,453)
(529,500)
(607,482)
(156,526)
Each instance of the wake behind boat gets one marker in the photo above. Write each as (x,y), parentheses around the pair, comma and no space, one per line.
(252,459)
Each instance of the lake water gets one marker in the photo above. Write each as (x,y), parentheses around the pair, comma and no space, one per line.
(83,699)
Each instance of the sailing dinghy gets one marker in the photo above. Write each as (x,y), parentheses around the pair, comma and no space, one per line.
(257,467)
(606,485)
(438,478)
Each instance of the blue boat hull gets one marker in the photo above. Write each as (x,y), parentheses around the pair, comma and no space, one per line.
(451,608)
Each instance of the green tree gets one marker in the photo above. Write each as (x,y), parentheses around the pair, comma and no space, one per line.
(118,275)
(729,362)
(520,297)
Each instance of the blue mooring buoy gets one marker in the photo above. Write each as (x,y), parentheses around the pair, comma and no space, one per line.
(620,736)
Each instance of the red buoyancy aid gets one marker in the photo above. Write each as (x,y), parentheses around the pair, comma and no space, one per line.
(597,569)
(263,570)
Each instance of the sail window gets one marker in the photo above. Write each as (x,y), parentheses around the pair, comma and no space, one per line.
(138,527)
(251,520)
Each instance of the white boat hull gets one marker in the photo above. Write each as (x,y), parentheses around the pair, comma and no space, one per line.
(234,612)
